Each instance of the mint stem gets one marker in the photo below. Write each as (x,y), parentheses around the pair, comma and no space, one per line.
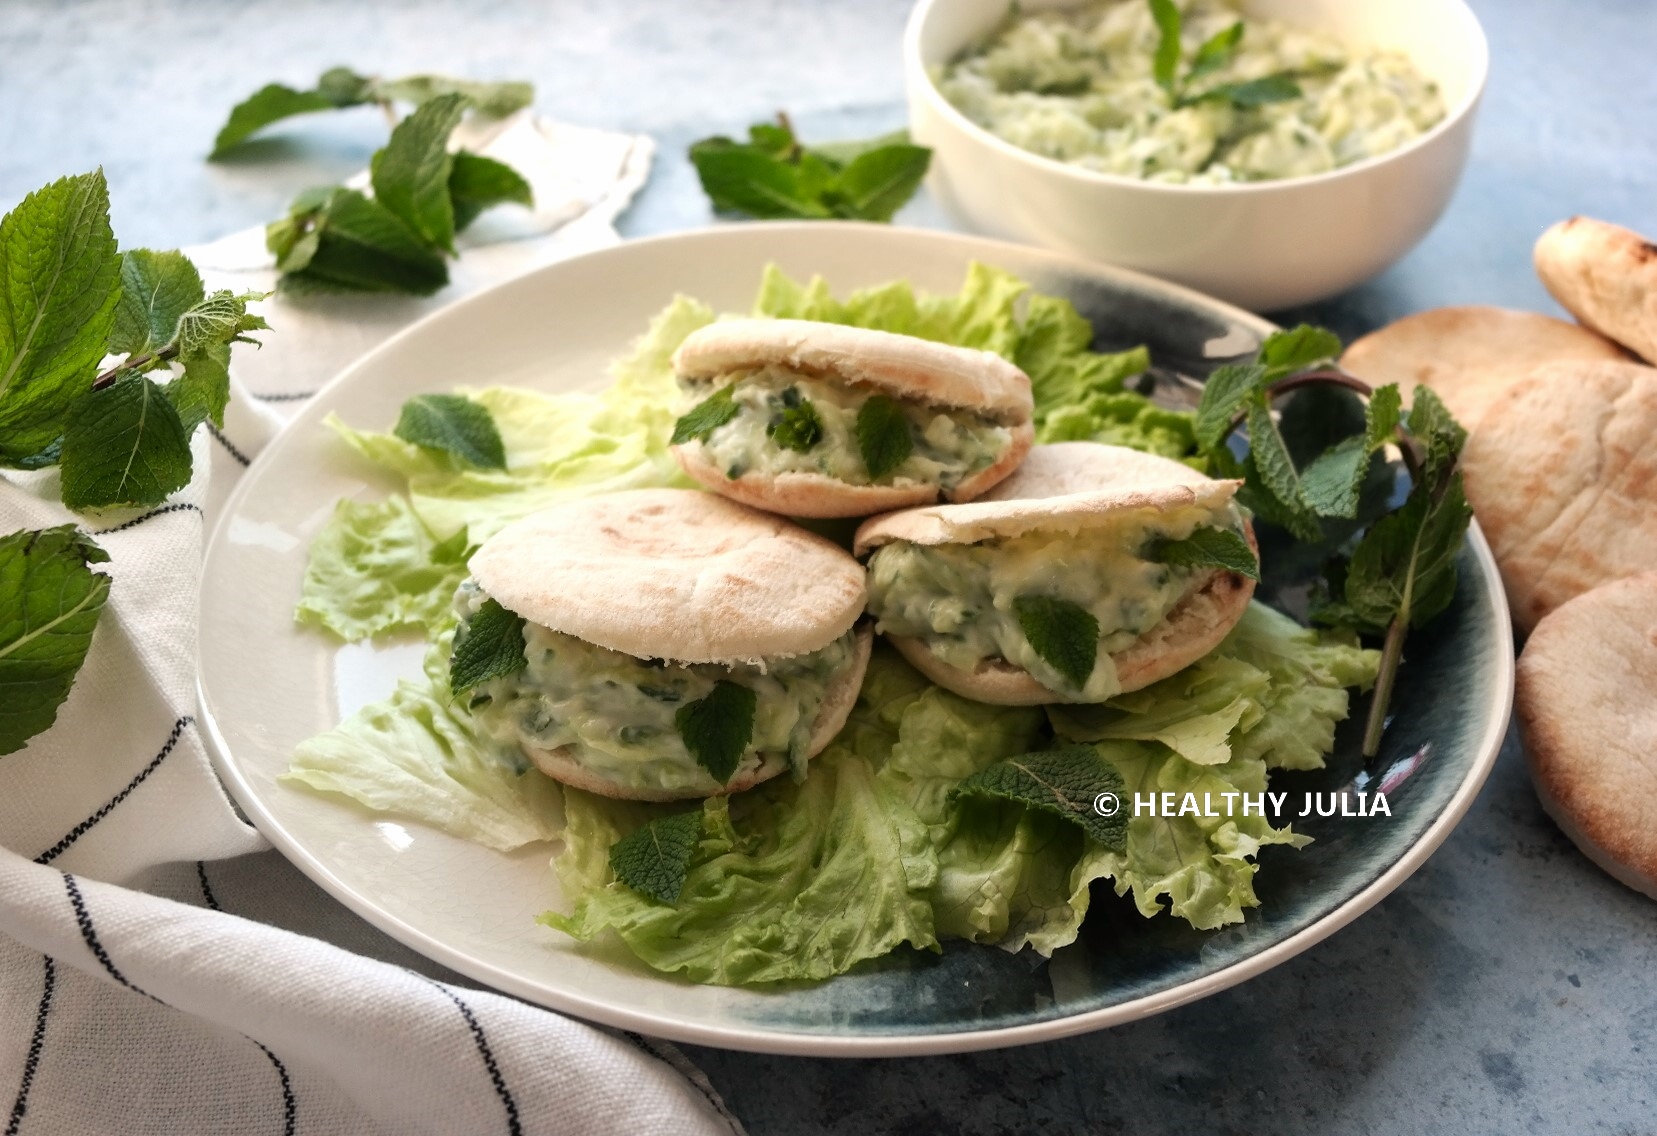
(107,379)
(1392,653)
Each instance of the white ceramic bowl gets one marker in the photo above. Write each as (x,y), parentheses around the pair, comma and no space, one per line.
(1261,245)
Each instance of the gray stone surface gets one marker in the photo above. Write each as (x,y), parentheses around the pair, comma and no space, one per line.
(1507,987)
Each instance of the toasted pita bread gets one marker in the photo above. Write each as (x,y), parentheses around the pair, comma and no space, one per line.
(818,495)
(1562,474)
(1060,487)
(674,574)
(838,700)
(1587,701)
(902,365)
(1470,356)
(1605,276)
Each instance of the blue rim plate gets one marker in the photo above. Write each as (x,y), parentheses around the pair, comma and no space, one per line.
(267,684)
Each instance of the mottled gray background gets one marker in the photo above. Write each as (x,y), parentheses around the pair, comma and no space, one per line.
(1508,987)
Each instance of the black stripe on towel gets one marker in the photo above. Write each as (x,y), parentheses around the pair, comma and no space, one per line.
(513,1125)
(179,507)
(229,445)
(37,1044)
(86,825)
(84,917)
(206,888)
(286,396)
(290,1107)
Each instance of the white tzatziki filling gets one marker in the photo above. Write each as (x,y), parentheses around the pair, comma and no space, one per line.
(616,711)
(949,444)
(959,599)
(1077,85)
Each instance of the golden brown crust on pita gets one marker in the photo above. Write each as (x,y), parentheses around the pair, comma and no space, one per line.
(818,495)
(676,574)
(900,364)
(1606,276)
(838,701)
(1471,356)
(1562,475)
(1586,697)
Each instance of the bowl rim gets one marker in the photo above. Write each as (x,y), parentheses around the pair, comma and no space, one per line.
(920,78)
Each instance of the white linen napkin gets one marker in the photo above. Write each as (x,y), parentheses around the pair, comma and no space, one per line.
(151,984)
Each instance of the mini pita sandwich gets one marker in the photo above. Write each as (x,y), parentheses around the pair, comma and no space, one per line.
(1562,475)
(1587,701)
(1605,276)
(1471,356)
(1080,577)
(675,644)
(819,420)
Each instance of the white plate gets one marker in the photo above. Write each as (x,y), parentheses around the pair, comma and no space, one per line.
(266,684)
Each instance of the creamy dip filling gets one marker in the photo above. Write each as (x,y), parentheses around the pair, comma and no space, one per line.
(949,445)
(958,599)
(616,711)
(1076,85)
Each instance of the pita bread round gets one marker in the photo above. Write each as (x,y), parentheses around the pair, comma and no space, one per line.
(1470,356)
(1587,702)
(838,700)
(1067,487)
(1562,475)
(1605,276)
(902,365)
(818,495)
(674,574)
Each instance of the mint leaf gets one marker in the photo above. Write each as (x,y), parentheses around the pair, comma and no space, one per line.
(203,391)
(477,183)
(1270,457)
(717,729)
(654,858)
(496,100)
(1209,548)
(1227,391)
(1254,92)
(1065,782)
(746,179)
(59,284)
(50,601)
(1405,565)
(883,436)
(490,646)
(411,174)
(454,425)
(352,243)
(157,288)
(1297,349)
(1165,63)
(1431,422)
(1334,479)
(1065,635)
(125,445)
(799,427)
(877,183)
(1216,52)
(697,424)
(270,104)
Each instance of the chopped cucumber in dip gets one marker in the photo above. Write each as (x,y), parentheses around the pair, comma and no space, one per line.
(1079,85)
(616,712)
(962,600)
(787,422)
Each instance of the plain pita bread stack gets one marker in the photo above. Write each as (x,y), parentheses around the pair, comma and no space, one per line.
(1587,700)
(685,576)
(904,367)
(1071,487)
(1471,356)
(1562,475)
(1606,276)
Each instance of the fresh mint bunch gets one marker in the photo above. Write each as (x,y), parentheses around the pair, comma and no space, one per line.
(1211,56)
(72,301)
(342,240)
(341,87)
(1392,570)
(775,175)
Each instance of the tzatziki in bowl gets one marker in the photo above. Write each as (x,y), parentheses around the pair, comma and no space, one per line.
(1269,152)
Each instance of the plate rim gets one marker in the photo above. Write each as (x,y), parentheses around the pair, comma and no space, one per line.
(762,1039)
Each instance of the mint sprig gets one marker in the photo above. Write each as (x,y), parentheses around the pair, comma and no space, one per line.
(453,424)
(1209,548)
(654,858)
(50,600)
(717,728)
(1074,783)
(1065,635)
(490,645)
(699,423)
(1213,55)
(340,87)
(883,436)
(1398,571)
(799,427)
(775,175)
